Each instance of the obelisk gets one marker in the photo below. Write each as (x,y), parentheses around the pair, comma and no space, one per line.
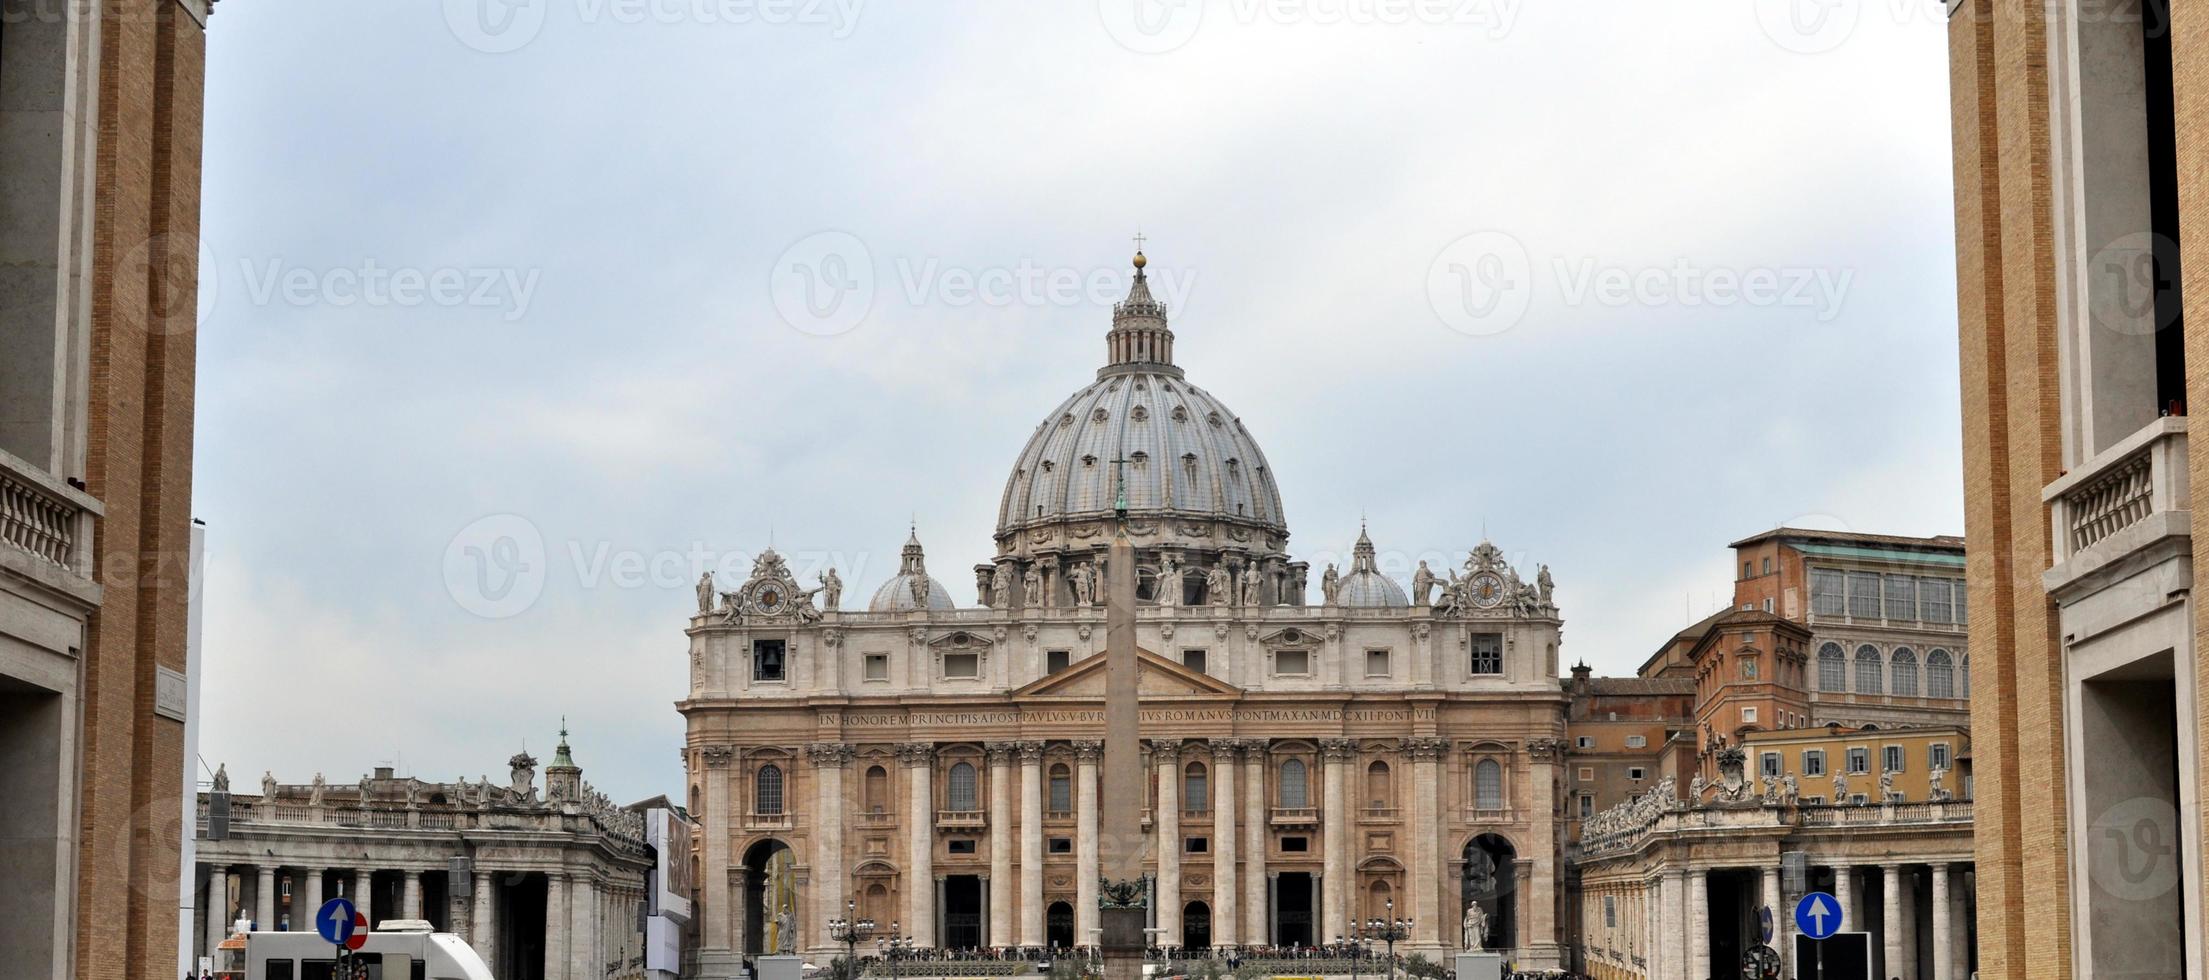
(1123,893)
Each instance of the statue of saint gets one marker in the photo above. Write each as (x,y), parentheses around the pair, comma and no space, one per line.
(1250,587)
(314,794)
(222,778)
(1218,588)
(1422,585)
(1000,587)
(1031,587)
(367,791)
(1475,927)
(1544,585)
(1330,583)
(1887,792)
(1936,783)
(268,785)
(786,933)
(1840,787)
(705,593)
(832,590)
(1169,582)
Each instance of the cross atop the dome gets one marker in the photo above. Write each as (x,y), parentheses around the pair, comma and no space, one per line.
(1139,240)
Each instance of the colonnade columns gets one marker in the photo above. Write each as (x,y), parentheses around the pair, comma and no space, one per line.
(310,900)
(1671,920)
(1541,883)
(583,929)
(1782,917)
(1335,897)
(1032,926)
(480,922)
(829,891)
(1698,924)
(264,897)
(556,927)
(1944,936)
(1086,754)
(1166,754)
(1844,892)
(718,899)
(1891,925)
(1257,915)
(1224,802)
(218,906)
(1002,893)
(1423,805)
(920,844)
(410,903)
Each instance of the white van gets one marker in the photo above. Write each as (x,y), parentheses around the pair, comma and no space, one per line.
(399,949)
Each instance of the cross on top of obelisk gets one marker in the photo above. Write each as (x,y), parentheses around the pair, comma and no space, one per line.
(1120,484)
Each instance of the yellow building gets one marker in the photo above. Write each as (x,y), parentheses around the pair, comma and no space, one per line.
(1864,765)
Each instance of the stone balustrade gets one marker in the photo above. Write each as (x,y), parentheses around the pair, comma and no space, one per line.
(2122,488)
(46,519)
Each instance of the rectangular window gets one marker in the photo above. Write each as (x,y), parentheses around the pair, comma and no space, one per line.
(960,845)
(1196,845)
(1956,592)
(1487,652)
(1637,741)
(1748,714)
(1292,662)
(962,665)
(1745,570)
(1767,565)
(1610,912)
(1891,757)
(767,660)
(1056,660)
(1902,597)
(1825,593)
(1062,845)
(1587,806)
(1376,663)
(1587,774)
(1933,600)
(1936,755)
(1584,742)
(875,667)
(1813,762)
(1295,845)
(1813,801)
(1864,595)
(1193,659)
(1768,763)
(1636,773)
(1860,760)
(1767,603)
(1858,799)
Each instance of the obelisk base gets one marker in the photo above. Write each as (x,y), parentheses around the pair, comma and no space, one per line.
(1121,943)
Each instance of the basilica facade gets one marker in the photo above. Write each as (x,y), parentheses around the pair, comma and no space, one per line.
(1315,756)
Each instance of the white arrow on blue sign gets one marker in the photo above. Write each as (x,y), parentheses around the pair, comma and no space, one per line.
(335,921)
(1818,915)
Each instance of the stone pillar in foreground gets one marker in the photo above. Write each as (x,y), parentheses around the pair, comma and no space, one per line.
(480,928)
(1087,863)
(264,898)
(1001,889)
(1336,896)
(1032,926)
(219,915)
(920,844)
(1166,752)
(1257,884)
(1890,926)
(829,889)
(556,927)
(1944,930)
(1698,924)
(1225,925)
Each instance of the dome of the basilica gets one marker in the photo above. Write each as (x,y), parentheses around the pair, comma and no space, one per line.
(912,587)
(1187,455)
(1365,585)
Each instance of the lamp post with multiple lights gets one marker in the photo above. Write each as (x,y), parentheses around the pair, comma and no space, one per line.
(850,929)
(1388,929)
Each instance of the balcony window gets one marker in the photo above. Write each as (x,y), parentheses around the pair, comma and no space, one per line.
(1377,790)
(1860,761)
(962,794)
(1864,595)
(1825,593)
(1062,789)
(1292,662)
(962,666)
(1196,788)
(1891,758)
(1587,806)
(767,791)
(1813,762)
(1488,785)
(1294,795)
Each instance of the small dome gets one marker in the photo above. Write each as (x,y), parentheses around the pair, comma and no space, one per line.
(1365,585)
(912,587)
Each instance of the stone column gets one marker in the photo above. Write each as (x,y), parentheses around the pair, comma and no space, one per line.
(1335,840)
(583,929)
(1698,925)
(1088,865)
(1273,905)
(410,902)
(1671,931)
(1782,917)
(1166,754)
(829,889)
(1540,882)
(310,899)
(1258,916)
(1944,935)
(740,913)
(1032,926)
(1422,807)
(920,842)
(558,921)
(264,898)
(939,938)
(1844,892)
(363,895)
(1001,890)
(1890,927)
(1225,925)
(716,900)
(480,930)
(218,907)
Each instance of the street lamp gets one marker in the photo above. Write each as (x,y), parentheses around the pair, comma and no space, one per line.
(849,929)
(1391,930)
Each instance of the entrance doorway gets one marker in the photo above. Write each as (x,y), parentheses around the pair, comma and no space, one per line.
(1196,926)
(1292,909)
(962,912)
(519,914)
(1491,882)
(1058,925)
(771,898)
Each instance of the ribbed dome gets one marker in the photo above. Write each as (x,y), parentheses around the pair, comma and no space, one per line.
(1365,585)
(1188,456)
(912,587)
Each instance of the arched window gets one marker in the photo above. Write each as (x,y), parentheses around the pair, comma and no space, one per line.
(1376,785)
(1904,671)
(1870,678)
(1196,788)
(1292,785)
(962,793)
(1940,675)
(1488,785)
(1963,676)
(1062,789)
(1833,670)
(767,791)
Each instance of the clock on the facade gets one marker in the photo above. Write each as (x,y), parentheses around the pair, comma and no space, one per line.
(769,598)
(1487,589)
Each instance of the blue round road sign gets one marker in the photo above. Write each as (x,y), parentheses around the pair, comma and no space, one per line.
(1818,915)
(335,921)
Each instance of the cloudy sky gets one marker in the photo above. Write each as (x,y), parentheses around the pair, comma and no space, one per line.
(517,313)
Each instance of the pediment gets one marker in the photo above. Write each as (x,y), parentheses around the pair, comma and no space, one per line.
(1158,678)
